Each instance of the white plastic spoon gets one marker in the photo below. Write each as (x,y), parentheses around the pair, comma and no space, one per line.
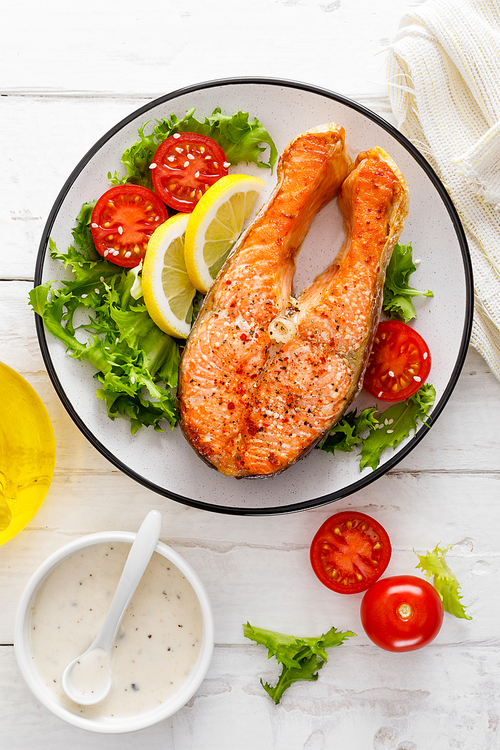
(87,679)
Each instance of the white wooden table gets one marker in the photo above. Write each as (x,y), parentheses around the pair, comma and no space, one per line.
(68,73)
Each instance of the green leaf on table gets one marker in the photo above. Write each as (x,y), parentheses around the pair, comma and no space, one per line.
(444,580)
(301,658)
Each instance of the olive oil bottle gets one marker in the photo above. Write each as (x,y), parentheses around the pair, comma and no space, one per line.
(27,453)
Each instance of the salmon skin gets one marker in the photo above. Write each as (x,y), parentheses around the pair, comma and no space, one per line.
(263,375)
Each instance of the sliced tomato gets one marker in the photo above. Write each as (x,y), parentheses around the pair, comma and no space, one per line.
(399,363)
(123,220)
(184,166)
(402,613)
(350,551)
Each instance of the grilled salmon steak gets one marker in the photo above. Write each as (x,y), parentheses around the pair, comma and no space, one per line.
(264,376)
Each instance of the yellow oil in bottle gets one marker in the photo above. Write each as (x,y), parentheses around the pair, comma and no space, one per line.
(27,453)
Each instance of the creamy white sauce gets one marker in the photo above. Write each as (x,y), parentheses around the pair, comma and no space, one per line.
(158,642)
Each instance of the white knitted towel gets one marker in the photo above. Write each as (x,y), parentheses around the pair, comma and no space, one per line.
(444,85)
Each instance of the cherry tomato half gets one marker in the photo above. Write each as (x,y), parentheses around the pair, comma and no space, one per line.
(399,363)
(349,552)
(185,165)
(402,613)
(123,220)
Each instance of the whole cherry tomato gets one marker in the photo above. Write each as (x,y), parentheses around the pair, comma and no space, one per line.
(399,363)
(123,220)
(402,613)
(349,552)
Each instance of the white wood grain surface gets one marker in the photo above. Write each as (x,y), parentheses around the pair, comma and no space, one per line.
(69,72)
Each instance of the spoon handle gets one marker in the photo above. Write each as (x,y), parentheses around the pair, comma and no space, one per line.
(137,561)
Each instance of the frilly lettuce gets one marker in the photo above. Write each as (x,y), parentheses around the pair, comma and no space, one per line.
(397,291)
(301,658)
(376,431)
(136,362)
(444,580)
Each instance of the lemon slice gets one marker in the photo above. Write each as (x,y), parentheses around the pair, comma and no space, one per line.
(167,290)
(216,223)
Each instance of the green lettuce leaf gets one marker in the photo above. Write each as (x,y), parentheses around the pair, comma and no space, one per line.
(82,234)
(444,580)
(347,432)
(397,291)
(136,362)
(301,658)
(398,421)
(376,431)
(308,671)
(241,140)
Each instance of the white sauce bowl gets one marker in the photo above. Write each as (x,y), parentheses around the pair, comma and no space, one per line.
(108,725)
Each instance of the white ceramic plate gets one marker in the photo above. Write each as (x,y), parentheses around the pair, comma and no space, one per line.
(164,462)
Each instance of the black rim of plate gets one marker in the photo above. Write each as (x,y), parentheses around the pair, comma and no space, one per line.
(438,407)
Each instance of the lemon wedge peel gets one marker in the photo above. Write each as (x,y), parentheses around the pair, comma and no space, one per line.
(216,223)
(167,290)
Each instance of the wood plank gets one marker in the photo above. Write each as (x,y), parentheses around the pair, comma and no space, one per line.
(174,49)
